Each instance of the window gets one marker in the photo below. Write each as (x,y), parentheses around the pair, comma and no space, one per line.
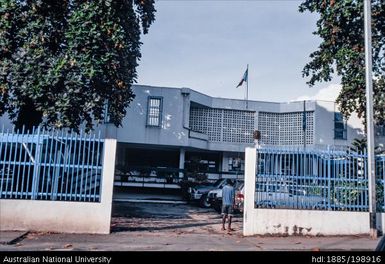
(236,164)
(339,126)
(154,111)
(380,130)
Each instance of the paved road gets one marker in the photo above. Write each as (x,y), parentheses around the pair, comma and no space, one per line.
(175,227)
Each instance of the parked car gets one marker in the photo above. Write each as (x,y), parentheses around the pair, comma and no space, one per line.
(284,194)
(199,193)
(266,204)
(215,197)
(324,205)
(239,199)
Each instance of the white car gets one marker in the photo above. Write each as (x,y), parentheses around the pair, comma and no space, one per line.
(215,197)
(200,192)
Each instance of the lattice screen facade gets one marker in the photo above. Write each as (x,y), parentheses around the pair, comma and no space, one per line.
(285,128)
(222,125)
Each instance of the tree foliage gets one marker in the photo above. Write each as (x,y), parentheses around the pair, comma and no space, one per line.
(342,51)
(61,61)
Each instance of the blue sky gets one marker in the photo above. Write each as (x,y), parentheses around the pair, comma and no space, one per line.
(206,45)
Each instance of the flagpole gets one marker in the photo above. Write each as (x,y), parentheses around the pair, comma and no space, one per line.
(247,88)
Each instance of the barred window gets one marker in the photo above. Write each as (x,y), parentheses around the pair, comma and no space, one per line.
(339,126)
(154,111)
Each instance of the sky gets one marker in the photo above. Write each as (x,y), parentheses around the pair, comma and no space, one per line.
(206,46)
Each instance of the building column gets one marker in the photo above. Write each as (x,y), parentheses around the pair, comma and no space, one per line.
(186,107)
(225,162)
(182,153)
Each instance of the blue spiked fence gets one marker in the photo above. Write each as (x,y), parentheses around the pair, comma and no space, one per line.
(50,165)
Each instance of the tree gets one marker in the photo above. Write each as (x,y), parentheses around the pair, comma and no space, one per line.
(342,51)
(62,61)
(358,145)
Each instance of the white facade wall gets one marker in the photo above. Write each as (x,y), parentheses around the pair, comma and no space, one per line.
(171,132)
(324,125)
(174,129)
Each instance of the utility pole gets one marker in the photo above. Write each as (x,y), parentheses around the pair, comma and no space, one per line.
(369,119)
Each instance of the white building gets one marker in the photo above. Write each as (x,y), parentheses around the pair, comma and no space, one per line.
(167,130)
(169,127)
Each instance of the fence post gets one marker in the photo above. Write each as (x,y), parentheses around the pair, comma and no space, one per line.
(108,171)
(36,171)
(249,199)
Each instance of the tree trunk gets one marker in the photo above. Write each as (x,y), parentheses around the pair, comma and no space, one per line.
(28,116)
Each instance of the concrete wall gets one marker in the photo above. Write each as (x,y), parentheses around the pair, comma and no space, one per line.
(306,222)
(176,105)
(68,217)
(309,222)
(171,132)
(324,125)
(54,216)
(298,222)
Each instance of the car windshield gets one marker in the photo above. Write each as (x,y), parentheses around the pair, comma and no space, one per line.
(239,185)
(218,182)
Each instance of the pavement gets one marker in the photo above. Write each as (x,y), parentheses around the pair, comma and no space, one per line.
(142,226)
(180,241)
(11,237)
(159,195)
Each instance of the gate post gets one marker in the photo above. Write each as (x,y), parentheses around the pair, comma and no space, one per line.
(249,195)
(108,172)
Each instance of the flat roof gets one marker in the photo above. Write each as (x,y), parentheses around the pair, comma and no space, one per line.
(226,98)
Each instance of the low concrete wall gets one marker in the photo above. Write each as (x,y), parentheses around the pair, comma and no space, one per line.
(306,222)
(69,217)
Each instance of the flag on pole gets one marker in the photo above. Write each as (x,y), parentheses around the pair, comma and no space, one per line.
(244,78)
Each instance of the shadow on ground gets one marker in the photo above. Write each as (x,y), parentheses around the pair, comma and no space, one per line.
(157,217)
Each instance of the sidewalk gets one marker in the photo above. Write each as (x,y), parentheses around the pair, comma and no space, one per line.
(8,238)
(178,241)
(144,226)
